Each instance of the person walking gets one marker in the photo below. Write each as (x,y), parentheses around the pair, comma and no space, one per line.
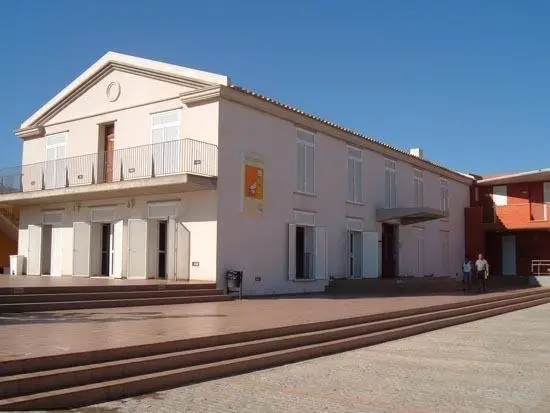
(466,273)
(482,270)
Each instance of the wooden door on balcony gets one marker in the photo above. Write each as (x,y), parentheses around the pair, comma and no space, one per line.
(109,145)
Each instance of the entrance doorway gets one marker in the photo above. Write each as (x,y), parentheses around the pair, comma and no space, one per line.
(108,147)
(51,250)
(508,255)
(355,254)
(304,252)
(107,249)
(162,249)
(389,250)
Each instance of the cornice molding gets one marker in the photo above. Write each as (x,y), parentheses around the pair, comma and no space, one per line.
(201,95)
(31,132)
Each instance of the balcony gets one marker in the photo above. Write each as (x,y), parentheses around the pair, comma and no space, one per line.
(173,166)
(517,216)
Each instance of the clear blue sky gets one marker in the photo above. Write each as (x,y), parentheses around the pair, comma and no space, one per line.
(457,78)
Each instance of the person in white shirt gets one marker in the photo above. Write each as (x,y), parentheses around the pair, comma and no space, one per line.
(466,272)
(482,270)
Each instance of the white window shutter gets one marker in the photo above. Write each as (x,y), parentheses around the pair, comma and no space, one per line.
(358,180)
(310,169)
(351,179)
(348,253)
(547,192)
(291,252)
(118,241)
(321,253)
(500,195)
(370,254)
(301,167)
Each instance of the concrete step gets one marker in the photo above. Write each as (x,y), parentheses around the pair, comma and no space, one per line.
(79,385)
(416,285)
(104,295)
(314,345)
(90,288)
(109,303)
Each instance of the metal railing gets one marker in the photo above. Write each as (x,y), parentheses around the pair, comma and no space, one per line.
(185,156)
(540,267)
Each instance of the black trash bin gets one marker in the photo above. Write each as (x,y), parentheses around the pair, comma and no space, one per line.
(234,280)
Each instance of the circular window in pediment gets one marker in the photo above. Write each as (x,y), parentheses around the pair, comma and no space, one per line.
(113,91)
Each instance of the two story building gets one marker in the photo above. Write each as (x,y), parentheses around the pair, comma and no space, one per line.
(142,169)
(508,220)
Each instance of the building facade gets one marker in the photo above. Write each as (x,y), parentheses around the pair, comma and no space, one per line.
(508,220)
(141,169)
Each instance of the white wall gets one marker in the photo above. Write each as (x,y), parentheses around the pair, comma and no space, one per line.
(197,212)
(259,245)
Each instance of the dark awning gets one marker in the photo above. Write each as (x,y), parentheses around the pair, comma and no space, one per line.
(408,216)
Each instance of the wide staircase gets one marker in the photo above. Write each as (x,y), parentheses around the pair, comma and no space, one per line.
(53,298)
(417,285)
(75,380)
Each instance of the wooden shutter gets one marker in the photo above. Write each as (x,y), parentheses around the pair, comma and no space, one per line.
(81,248)
(291,252)
(321,264)
(370,254)
(137,248)
(118,229)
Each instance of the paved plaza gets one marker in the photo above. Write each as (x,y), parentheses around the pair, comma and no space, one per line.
(500,364)
(29,335)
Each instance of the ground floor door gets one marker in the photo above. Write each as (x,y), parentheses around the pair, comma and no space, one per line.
(389,250)
(508,255)
(51,250)
(355,252)
(444,236)
(162,250)
(56,250)
(107,249)
(419,244)
(304,252)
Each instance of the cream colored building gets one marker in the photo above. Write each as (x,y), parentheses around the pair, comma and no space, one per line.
(142,169)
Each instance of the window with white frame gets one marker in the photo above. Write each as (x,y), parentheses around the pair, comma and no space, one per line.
(305,181)
(500,195)
(418,188)
(166,140)
(391,183)
(355,175)
(444,195)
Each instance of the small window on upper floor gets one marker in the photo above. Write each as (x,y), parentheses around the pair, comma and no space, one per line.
(165,126)
(444,197)
(500,195)
(546,193)
(390,177)
(355,175)
(418,188)
(305,159)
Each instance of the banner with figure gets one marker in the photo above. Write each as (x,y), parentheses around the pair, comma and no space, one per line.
(253,186)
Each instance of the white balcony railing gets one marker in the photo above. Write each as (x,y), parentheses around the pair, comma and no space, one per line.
(185,156)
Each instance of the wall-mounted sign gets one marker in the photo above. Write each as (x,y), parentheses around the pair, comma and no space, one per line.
(253,191)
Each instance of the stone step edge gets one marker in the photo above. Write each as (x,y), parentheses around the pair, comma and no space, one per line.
(62,297)
(81,305)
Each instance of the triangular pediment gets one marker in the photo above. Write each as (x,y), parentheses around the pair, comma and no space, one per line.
(117,81)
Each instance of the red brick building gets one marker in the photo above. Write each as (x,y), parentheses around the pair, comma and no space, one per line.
(509,221)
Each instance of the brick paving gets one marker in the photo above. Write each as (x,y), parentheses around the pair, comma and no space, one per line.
(499,364)
(24,335)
